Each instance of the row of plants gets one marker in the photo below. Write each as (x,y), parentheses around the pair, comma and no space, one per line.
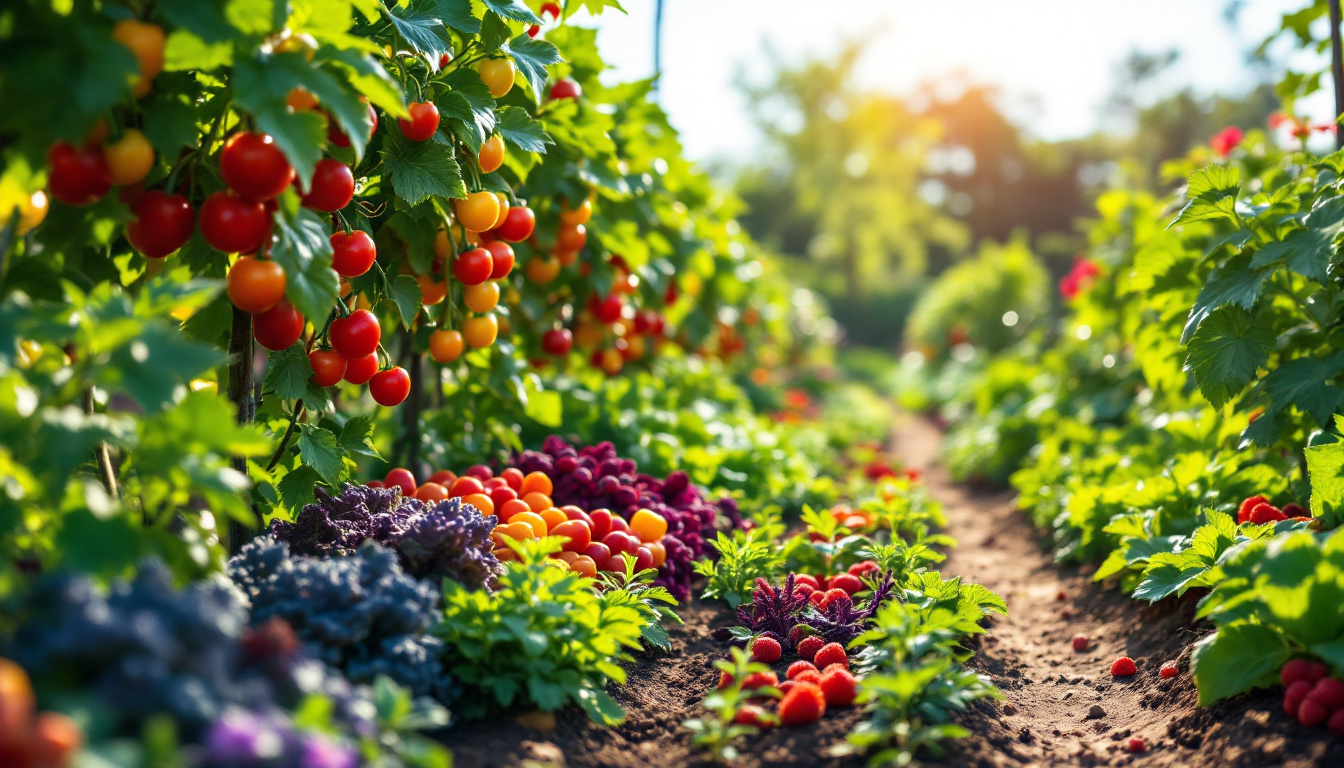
(1178,427)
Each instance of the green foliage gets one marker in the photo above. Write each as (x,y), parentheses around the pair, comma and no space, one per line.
(716,734)
(744,557)
(635,589)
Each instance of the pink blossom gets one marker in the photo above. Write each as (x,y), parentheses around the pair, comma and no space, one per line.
(1226,140)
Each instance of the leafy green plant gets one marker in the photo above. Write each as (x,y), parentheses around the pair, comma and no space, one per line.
(543,638)
(743,557)
(716,734)
(636,589)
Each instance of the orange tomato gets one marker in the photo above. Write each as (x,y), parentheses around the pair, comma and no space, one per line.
(531,519)
(492,153)
(481,332)
(300,100)
(567,557)
(553,517)
(542,269)
(146,41)
(480,298)
(503,209)
(443,477)
(130,158)
(659,552)
(537,501)
(584,566)
(465,486)
(431,492)
(431,291)
(511,508)
(504,555)
(537,481)
(514,477)
(571,237)
(478,211)
(481,502)
(648,525)
(445,346)
(579,215)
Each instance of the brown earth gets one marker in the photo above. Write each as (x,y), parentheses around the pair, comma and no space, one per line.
(1059,708)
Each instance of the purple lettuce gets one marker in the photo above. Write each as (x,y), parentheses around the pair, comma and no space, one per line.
(773,609)
(840,621)
(777,610)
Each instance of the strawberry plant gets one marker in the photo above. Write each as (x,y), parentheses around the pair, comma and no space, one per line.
(716,735)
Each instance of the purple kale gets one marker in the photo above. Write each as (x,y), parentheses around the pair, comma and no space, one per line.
(450,539)
(337,525)
(840,621)
(773,609)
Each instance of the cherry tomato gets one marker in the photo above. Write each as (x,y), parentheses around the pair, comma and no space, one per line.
(401,478)
(571,237)
(336,136)
(499,218)
(518,224)
(491,155)
(77,176)
(356,335)
(234,225)
(478,211)
(162,223)
(659,553)
(502,495)
(255,286)
(466,485)
(648,525)
(557,341)
(480,332)
(254,167)
(584,566)
(361,369)
(444,477)
(607,310)
(352,255)
(333,187)
(514,477)
(542,269)
(278,327)
(643,558)
(578,216)
(390,387)
(328,367)
(473,267)
(539,482)
(445,346)
(497,74)
(300,100)
(578,533)
(550,8)
(423,121)
(130,158)
(670,295)
(32,209)
(430,491)
(481,298)
(431,291)
(501,259)
(566,89)
(611,361)
(635,348)
(146,41)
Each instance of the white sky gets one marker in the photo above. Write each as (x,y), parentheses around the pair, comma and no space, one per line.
(1055,60)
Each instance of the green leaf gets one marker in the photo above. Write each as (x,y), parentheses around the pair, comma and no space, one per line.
(296,489)
(1307,252)
(1226,353)
(204,18)
(419,170)
(319,449)
(514,10)
(494,32)
(457,14)
(518,128)
(152,367)
(421,30)
(260,85)
(370,78)
(468,107)
(1212,192)
(545,407)
(1232,283)
(1306,382)
(288,372)
(185,51)
(303,248)
(1236,659)
(600,707)
(101,546)
(1325,465)
(170,123)
(357,437)
(533,55)
(405,292)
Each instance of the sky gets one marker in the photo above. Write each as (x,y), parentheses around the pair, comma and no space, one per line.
(1055,60)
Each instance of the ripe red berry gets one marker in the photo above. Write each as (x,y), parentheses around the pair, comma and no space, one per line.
(816,597)
(232,224)
(831,653)
(1266,513)
(812,676)
(401,478)
(422,123)
(501,258)
(766,650)
(1123,667)
(1137,745)
(847,582)
(1329,692)
(864,568)
(1297,669)
(759,680)
(1336,722)
(808,647)
(254,167)
(802,705)
(356,335)
(1312,713)
(278,327)
(517,225)
(839,687)
(1244,511)
(333,187)
(1293,696)
(750,714)
(807,579)
(832,595)
(77,176)
(1293,509)
(328,367)
(474,266)
(1080,643)
(1062,596)
(799,631)
(390,387)
(566,89)
(804,591)
(1169,669)
(725,680)
(352,255)
(162,223)
(785,687)
(798,667)
(361,369)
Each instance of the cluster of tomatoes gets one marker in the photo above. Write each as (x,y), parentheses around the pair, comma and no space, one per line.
(28,738)
(595,541)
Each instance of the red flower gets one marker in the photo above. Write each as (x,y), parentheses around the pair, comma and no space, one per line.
(1226,140)
(1079,278)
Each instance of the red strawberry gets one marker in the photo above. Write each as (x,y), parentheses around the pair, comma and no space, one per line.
(1312,713)
(804,591)
(1293,509)
(786,686)
(1244,511)
(800,666)
(759,680)
(832,595)
(839,687)
(766,649)
(864,568)
(847,582)
(1336,722)
(1123,667)
(831,653)
(1080,643)
(798,632)
(1300,669)
(809,646)
(750,714)
(816,597)
(1294,695)
(1265,513)
(725,680)
(810,581)
(1136,745)
(1169,669)
(1329,692)
(804,704)
(808,676)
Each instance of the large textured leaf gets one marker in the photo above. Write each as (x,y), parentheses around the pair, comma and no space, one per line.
(518,128)
(468,107)
(1235,282)
(456,14)
(420,29)
(421,169)
(1307,382)
(1307,252)
(260,86)
(318,449)
(303,248)
(1236,659)
(514,10)
(1325,465)
(1226,352)
(1212,193)
(533,55)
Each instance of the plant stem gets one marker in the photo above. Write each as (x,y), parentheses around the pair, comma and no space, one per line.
(1337,69)
(284,439)
(104,454)
(240,394)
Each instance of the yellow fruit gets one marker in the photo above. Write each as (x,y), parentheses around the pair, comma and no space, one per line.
(130,158)
(481,298)
(480,332)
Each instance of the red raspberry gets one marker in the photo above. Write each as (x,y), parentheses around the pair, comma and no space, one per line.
(838,686)
(1302,669)
(807,676)
(808,647)
(830,653)
(1336,722)
(750,714)
(1123,667)
(847,582)
(831,596)
(1244,511)
(802,705)
(1294,695)
(800,666)
(786,686)
(816,597)
(864,568)
(1080,643)
(1169,669)
(1329,692)
(797,634)
(1136,745)
(810,581)
(766,649)
(1265,513)
(1312,713)
(759,680)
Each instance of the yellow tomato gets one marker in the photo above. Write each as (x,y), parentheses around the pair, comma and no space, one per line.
(478,211)
(146,41)
(130,158)
(480,332)
(542,269)
(492,154)
(481,298)
(503,209)
(445,346)
(431,291)
(579,215)
(497,74)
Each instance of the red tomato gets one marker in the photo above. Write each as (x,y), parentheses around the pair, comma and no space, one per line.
(571,237)
(423,122)
(643,559)
(502,495)
(578,533)
(336,136)
(557,341)
(401,478)
(467,485)
(473,267)
(77,176)
(518,224)
(501,259)
(333,187)
(606,310)
(352,255)
(234,225)
(550,8)
(480,472)
(162,224)
(574,513)
(328,367)
(600,552)
(514,477)
(620,542)
(566,89)
(361,369)
(619,524)
(356,335)
(278,327)
(254,285)
(390,387)
(601,522)
(431,492)
(254,167)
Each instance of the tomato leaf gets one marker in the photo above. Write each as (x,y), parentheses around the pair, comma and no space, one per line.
(170,123)
(404,291)
(457,14)
(1212,193)
(318,449)
(296,488)
(288,372)
(1325,465)
(514,10)
(1227,351)
(420,30)
(357,437)
(303,248)
(533,55)
(1235,282)
(370,79)
(494,32)
(1307,252)
(1306,383)
(260,86)
(203,18)
(468,107)
(419,170)
(518,128)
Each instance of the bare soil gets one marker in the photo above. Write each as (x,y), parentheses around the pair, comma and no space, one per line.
(1060,707)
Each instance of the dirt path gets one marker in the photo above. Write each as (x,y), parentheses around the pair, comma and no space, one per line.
(1062,707)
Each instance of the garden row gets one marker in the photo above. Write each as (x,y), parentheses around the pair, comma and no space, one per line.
(1179,426)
